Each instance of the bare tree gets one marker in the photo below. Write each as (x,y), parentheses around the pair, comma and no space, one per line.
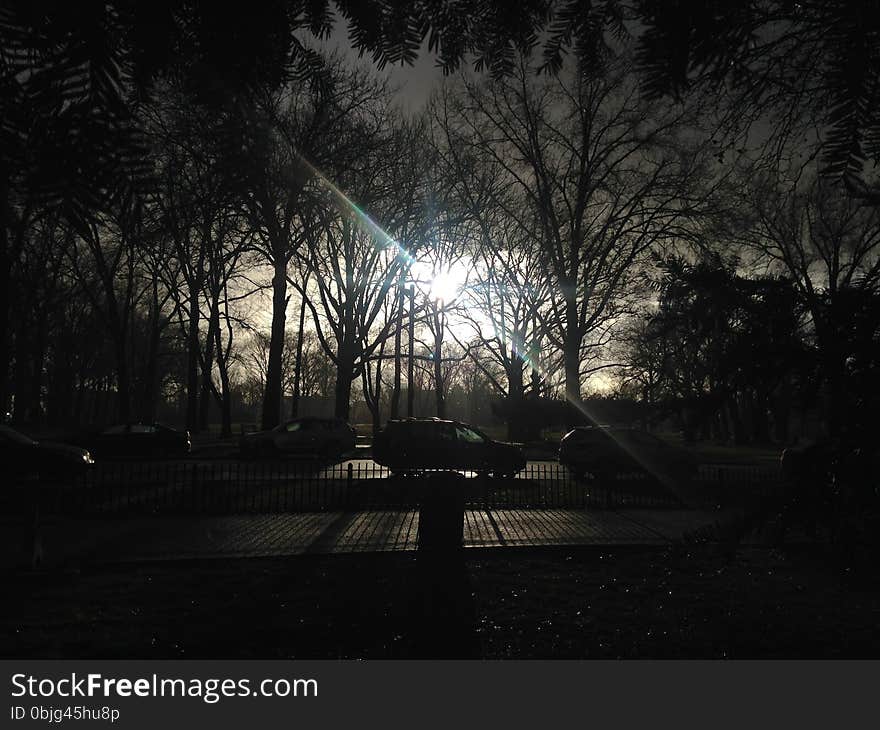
(360,247)
(106,257)
(295,142)
(792,221)
(354,275)
(600,177)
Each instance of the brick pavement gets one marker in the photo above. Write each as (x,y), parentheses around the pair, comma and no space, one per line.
(94,541)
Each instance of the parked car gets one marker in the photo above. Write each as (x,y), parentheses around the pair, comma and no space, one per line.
(140,441)
(24,458)
(605,451)
(415,444)
(323,438)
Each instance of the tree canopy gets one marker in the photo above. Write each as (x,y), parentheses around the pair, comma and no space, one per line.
(822,54)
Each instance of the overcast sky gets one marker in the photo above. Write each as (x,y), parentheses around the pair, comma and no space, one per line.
(415,82)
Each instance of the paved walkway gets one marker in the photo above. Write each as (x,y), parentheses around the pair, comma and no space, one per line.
(82,541)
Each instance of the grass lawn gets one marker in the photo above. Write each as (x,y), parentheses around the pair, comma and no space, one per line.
(517,603)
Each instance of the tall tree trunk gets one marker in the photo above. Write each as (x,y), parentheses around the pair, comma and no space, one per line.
(206,397)
(571,355)
(534,358)
(376,413)
(373,399)
(346,355)
(517,425)
(151,379)
(192,362)
(343,395)
(439,385)
(272,394)
(395,390)
(37,358)
(123,380)
(20,393)
(297,372)
(344,377)
(225,392)
(59,396)
(207,365)
(410,375)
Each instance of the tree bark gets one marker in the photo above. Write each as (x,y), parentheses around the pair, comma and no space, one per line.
(37,358)
(410,379)
(225,394)
(344,378)
(297,373)
(272,394)
(439,385)
(343,396)
(395,391)
(516,427)
(123,381)
(151,380)
(19,376)
(192,362)
(207,364)
(571,355)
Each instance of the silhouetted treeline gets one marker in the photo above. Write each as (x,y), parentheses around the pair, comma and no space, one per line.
(223,236)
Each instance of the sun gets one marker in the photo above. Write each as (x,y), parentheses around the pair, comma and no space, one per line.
(446,286)
(441,283)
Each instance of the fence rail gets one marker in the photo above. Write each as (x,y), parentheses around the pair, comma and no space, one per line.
(185,487)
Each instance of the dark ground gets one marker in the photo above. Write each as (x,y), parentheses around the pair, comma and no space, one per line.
(515,603)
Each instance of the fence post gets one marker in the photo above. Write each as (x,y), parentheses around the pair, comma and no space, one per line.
(349,479)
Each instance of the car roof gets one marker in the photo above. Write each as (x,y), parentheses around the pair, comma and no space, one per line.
(622,431)
(401,421)
(604,427)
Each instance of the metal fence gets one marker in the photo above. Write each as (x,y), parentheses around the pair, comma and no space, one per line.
(232,487)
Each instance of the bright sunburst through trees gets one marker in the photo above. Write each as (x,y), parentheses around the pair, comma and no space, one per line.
(251,217)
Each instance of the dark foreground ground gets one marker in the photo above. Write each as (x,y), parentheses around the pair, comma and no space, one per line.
(502,603)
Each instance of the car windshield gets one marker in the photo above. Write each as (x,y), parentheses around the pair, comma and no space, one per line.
(468,435)
(10,435)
